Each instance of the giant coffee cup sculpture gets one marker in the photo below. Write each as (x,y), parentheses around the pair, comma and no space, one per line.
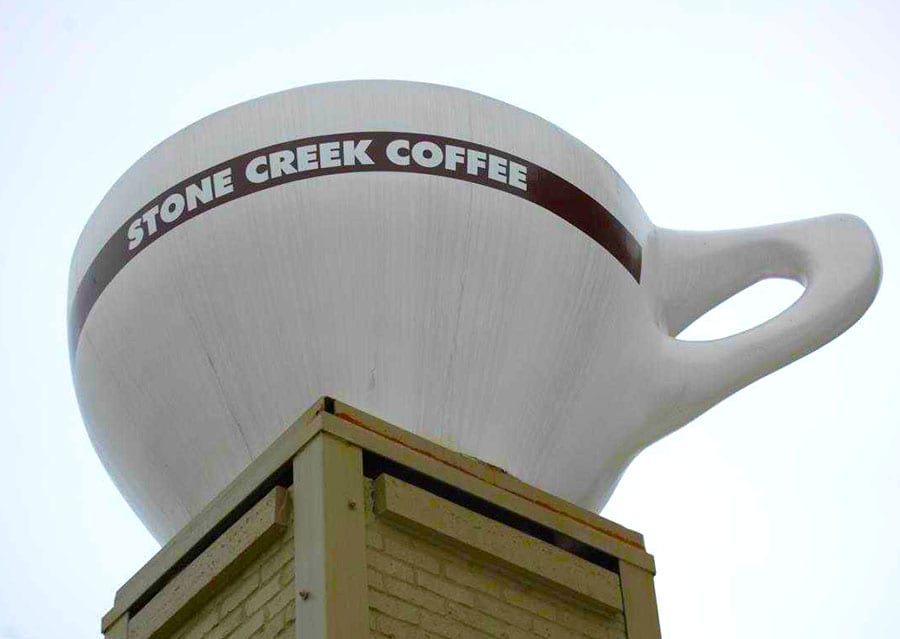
(443,260)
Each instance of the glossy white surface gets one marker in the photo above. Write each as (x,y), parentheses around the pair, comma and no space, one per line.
(457,311)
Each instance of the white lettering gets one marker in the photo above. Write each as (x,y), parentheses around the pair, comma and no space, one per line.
(281,163)
(198,194)
(306,158)
(356,152)
(393,152)
(222,182)
(455,155)
(497,168)
(427,154)
(149,218)
(329,155)
(135,234)
(475,160)
(172,208)
(517,177)
(253,172)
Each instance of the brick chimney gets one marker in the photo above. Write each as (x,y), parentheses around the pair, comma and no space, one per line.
(349,527)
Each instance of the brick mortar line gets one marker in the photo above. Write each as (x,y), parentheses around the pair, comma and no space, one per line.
(560,605)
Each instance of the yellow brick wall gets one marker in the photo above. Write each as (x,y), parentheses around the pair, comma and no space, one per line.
(423,590)
(259,602)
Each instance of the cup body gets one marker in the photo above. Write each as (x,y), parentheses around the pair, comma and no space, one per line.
(455,307)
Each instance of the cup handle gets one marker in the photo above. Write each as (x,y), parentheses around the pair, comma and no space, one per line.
(835,257)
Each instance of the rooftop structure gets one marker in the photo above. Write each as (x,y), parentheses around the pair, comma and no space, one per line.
(348,526)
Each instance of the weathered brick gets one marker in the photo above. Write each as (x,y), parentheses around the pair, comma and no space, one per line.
(445,588)
(417,589)
(528,601)
(200,626)
(290,611)
(593,624)
(275,562)
(402,549)
(375,579)
(480,600)
(271,629)
(394,607)
(265,592)
(512,632)
(451,629)
(231,621)
(287,574)
(373,537)
(415,595)
(395,629)
(550,630)
(390,566)
(239,591)
(250,626)
(284,597)
(479,620)
(249,606)
(472,575)
(506,612)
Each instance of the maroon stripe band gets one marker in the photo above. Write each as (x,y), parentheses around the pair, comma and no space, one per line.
(509,173)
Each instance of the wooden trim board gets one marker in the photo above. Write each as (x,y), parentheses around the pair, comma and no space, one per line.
(202,578)
(330,540)
(485,472)
(408,505)
(639,599)
(192,536)
(450,474)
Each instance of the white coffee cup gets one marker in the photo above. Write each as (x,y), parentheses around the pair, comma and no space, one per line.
(440,259)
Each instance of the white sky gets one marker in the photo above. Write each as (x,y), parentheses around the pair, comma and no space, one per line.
(774,515)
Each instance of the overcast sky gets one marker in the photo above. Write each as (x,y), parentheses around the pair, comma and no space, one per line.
(773,515)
